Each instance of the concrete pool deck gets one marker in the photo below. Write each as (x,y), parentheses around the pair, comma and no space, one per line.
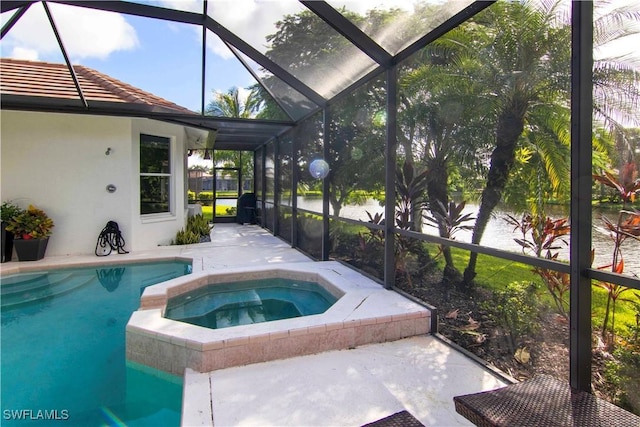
(337,388)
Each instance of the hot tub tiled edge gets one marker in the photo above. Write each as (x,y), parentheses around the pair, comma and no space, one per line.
(369,314)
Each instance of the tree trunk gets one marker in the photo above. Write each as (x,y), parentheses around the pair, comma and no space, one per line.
(509,128)
(438,191)
(336,205)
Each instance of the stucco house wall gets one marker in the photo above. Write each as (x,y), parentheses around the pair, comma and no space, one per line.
(58,162)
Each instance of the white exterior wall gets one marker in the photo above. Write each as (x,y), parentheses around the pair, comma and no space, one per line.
(58,163)
(159,229)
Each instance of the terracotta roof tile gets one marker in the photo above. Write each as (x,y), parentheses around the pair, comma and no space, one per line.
(35,78)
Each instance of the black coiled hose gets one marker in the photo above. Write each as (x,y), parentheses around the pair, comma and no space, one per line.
(110,239)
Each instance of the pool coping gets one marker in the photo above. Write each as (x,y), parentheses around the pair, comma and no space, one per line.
(366,313)
(59,263)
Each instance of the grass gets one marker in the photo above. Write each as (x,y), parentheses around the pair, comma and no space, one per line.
(625,311)
(207,211)
(495,273)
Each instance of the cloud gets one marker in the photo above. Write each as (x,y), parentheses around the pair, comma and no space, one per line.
(86,33)
(22,53)
(185,5)
(362,7)
(215,45)
(254,20)
(251,20)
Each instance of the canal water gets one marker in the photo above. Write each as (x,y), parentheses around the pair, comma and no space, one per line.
(500,234)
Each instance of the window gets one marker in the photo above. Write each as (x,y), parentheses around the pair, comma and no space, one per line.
(155,174)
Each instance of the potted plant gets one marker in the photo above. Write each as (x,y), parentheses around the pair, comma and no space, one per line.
(31,229)
(8,211)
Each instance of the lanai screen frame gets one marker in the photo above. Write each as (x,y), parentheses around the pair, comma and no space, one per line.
(256,135)
(579,266)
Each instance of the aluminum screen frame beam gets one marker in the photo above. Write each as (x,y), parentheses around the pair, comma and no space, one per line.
(14,18)
(390,178)
(212,25)
(581,157)
(8,5)
(349,31)
(54,27)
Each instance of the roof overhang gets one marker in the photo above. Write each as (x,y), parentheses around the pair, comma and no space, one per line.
(231,133)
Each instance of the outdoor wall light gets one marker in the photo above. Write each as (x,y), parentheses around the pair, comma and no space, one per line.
(207,155)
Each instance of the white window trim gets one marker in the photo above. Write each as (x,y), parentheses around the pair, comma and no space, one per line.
(160,216)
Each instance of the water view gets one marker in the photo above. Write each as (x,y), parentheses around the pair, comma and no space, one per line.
(500,234)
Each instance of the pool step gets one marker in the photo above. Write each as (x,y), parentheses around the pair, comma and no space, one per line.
(210,302)
(40,286)
(30,282)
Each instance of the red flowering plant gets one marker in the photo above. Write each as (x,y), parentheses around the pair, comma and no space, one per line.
(627,186)
(544,236)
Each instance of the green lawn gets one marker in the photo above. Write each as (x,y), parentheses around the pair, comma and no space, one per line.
(495,273)
(207,211)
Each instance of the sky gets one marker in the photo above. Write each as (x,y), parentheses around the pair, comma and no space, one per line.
(161,57)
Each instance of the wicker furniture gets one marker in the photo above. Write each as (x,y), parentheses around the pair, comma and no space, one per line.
(399,419)
(542,401)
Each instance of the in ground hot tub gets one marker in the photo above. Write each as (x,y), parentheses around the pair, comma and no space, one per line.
(363,313)
(225,305)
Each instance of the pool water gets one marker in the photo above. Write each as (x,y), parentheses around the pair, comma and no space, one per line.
(224,305)
(63,349)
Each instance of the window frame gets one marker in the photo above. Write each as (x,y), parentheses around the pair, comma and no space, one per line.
(170,175)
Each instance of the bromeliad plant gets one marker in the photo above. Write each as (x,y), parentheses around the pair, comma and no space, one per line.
(32,223)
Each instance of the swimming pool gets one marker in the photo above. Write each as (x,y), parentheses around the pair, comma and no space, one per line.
(63,349)
(251,301)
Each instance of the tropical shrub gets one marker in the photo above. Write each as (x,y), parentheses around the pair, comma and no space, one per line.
(544,236)
(9,210)
(186,237)
(196,231)
(32,222)
(627,225)
(516,310)
(199,225)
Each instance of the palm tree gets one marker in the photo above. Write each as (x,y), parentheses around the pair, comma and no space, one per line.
(523,73)
(230,105)
(439,123)
(615,80)
(528,64)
